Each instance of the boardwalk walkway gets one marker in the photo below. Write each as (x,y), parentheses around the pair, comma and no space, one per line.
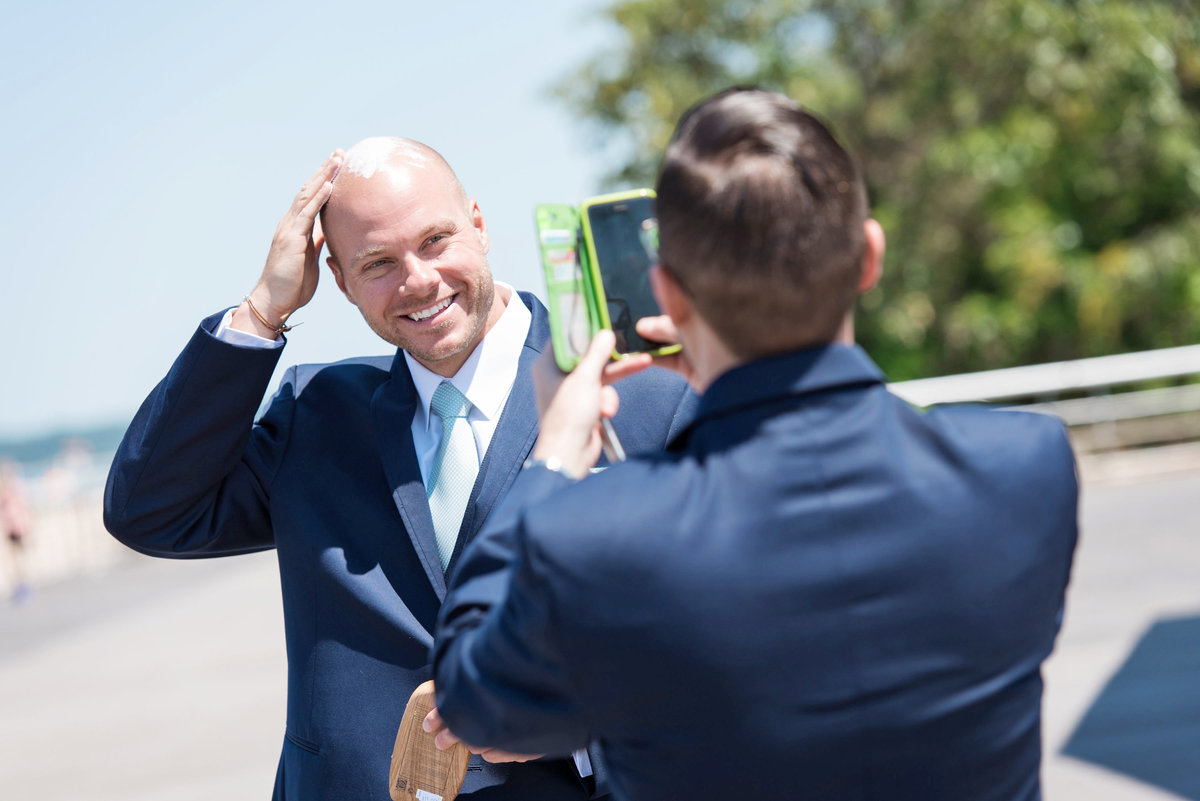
(91,705)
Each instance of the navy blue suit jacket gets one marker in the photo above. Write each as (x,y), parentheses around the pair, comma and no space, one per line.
(818,592)
(329,478)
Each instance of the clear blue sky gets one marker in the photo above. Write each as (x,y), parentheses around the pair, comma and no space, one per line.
(152,148)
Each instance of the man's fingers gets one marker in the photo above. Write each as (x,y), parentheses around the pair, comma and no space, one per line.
(623,368)
(318,193)
(318,236)
(496,755)
(432,722)
(445,739)
(661,329)
(309,212)
(309,187)
(658,329)
(321,183)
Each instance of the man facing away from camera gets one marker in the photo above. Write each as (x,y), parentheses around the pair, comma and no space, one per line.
(366,476)
(818,591)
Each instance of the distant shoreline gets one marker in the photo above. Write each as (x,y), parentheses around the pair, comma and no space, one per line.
(43,448)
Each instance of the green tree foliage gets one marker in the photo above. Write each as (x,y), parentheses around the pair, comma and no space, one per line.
(1035,163)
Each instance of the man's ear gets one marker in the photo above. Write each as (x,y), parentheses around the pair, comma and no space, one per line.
(480,226)
(671,298)
(872,266)
(338,277)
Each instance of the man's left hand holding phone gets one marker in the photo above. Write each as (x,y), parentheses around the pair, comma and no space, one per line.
(570,405)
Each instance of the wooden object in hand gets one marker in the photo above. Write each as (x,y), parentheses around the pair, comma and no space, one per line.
(420,771)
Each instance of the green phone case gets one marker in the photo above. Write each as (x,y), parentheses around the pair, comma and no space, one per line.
(573,317)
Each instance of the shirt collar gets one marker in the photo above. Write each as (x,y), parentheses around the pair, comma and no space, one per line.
(487,375)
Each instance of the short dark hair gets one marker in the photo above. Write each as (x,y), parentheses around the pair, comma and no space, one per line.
(761,216)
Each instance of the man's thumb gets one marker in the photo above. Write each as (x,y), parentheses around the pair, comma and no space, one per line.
(599,351)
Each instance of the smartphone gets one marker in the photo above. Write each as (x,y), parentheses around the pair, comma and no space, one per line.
(620,245)
(572,308)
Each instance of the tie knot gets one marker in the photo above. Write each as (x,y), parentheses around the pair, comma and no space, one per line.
(448,402)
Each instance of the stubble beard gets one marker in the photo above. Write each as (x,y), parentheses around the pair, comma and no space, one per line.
(480,298)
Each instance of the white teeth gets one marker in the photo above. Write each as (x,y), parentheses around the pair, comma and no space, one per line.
(432,310)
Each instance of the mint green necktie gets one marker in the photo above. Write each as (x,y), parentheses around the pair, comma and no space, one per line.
(452,475)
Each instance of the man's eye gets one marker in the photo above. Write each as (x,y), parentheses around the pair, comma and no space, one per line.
(374,265)
(433,240)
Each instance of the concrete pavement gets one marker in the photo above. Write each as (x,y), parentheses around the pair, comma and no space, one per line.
(1137,570)
(164,681)
(156,681)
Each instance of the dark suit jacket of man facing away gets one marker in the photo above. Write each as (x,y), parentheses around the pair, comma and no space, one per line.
(819,592)
(329,477)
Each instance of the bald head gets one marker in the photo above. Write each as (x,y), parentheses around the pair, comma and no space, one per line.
(380,166)
(409,249)
(378,153)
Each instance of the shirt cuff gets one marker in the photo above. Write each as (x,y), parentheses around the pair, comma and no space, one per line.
(233,336)
(583,763)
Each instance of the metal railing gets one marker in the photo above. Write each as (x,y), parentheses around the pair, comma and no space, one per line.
(1112,416)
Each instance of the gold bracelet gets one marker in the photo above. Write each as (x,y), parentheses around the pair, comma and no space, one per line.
(275,329)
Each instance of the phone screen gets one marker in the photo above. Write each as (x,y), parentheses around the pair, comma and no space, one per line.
(625,238)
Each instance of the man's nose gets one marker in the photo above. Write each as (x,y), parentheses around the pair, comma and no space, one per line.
(420,277)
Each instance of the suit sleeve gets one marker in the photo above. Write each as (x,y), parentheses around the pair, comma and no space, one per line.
(1061,455)
(192,475)
(500,676)
(654,407)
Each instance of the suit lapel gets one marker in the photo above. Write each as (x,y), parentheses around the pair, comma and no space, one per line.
(392,410)
(513,439)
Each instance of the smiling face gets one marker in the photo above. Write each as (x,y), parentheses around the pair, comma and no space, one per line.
(409,249)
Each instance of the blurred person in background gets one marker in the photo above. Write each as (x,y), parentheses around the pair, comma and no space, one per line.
(15,521)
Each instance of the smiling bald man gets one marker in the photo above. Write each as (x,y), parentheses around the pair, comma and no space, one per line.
(343,474)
